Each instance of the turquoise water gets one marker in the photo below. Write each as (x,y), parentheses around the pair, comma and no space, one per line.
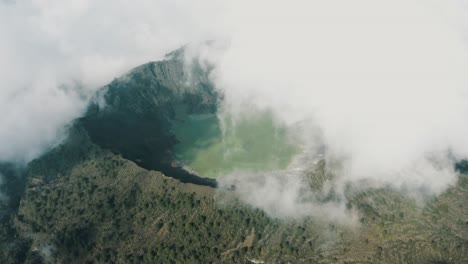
(252,143)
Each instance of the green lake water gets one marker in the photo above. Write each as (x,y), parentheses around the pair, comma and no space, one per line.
(251,143)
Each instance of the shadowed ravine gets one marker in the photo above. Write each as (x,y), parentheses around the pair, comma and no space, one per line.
(162,121)
(133,115)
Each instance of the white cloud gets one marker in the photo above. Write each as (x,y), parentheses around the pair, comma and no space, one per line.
(384,81)
(47,45)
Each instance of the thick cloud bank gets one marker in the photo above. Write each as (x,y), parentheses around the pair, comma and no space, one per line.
(382,85)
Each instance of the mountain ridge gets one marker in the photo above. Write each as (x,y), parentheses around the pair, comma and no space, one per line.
(110,194)
(141,107)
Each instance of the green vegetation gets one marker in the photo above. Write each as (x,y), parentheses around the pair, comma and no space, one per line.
(106,209)
(109,210)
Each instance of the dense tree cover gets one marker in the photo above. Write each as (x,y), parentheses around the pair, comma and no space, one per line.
(127,214)
(105,209)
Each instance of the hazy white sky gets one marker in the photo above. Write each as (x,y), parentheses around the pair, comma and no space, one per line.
(385,80)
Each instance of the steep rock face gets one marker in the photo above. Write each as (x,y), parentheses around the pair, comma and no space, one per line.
(133,115)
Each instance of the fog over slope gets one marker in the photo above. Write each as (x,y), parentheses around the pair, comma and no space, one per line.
(378,86)
(55,54)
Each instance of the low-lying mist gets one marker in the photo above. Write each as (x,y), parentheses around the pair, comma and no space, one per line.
(378,87)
